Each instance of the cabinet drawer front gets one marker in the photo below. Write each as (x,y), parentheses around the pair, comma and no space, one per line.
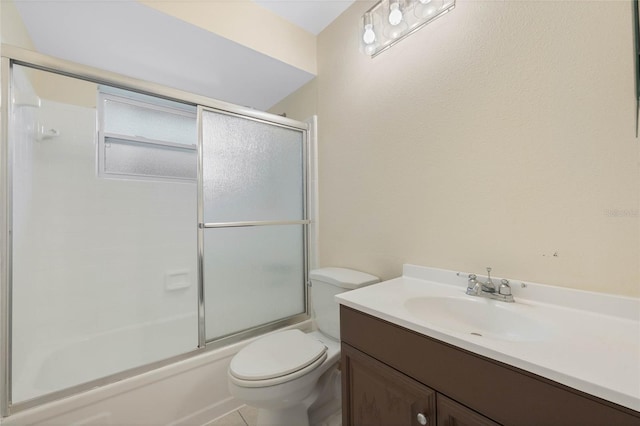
(376,394)
(450,413)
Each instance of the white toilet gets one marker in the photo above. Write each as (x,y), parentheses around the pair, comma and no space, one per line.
(291,376)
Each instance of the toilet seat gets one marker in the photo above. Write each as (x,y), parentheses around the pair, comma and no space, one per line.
(276,358)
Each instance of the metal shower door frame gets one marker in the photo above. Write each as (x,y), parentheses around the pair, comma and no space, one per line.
(11,55)
(305,129)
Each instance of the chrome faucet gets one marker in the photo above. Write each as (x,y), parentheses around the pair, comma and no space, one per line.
(488,288)
(488,285)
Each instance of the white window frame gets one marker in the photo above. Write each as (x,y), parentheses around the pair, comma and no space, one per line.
(104,137)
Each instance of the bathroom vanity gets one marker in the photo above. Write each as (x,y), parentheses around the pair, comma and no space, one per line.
(406,367)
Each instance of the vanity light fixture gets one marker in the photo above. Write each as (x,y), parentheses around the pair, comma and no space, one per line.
(389,21)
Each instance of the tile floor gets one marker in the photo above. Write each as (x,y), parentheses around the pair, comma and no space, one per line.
(245,416)
(248,416)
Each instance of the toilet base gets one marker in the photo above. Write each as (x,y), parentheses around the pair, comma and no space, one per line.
(324,401)
(329,400)
(292,416)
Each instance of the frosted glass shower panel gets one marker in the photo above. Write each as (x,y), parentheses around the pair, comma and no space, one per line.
(252,171)
(253,276)
(94,261)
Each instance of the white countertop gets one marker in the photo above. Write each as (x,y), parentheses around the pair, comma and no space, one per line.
(593,344)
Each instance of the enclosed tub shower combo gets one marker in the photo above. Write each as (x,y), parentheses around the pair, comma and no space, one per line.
(142,227)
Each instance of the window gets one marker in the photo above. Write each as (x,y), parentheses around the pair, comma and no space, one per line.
(143,137)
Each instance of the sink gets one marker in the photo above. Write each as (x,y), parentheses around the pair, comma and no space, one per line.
(584,340)
(477,316)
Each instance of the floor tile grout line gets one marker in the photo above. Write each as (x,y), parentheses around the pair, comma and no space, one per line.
(243,419)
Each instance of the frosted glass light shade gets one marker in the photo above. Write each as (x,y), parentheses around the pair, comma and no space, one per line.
(395,14)
(392,20)
(369,36)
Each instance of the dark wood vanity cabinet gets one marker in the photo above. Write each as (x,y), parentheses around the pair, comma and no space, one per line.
(391,375)
(378,395)
(450,413)
(382,396)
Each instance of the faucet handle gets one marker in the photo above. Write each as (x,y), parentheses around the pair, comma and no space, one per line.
(471,286)
(472,281)
(505,288)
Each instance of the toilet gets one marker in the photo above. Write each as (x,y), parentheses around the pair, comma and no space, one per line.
(291,376)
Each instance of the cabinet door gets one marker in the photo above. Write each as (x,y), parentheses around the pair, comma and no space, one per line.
(451,413)
(376,394)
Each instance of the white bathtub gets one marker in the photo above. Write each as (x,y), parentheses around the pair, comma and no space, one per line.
(190,392)
(62,364)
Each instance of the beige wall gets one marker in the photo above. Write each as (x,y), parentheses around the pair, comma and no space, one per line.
(300,105)
(12,29)
(501,134)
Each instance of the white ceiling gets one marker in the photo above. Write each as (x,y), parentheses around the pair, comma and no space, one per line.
(312,15)
(138,41)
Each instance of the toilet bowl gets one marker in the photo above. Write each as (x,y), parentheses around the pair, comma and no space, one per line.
(291,376)
(284,394)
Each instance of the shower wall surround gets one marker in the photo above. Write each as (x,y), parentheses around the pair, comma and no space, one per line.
(93,260)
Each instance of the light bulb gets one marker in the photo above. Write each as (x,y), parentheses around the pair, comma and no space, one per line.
(369,36)
(395,14)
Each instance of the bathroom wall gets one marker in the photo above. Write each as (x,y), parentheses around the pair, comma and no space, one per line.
(300,105)
(502,134)
(12,29)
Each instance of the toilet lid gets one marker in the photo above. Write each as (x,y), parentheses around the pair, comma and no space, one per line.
(276,355)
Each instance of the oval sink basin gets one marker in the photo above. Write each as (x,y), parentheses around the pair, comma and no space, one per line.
(477,316)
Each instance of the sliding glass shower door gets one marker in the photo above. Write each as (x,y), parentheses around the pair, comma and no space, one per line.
(106,193)
(253,221)
(103,237)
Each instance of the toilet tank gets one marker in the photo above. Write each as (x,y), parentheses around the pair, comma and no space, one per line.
(325,284)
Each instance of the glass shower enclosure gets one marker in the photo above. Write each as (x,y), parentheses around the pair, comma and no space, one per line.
(252,223)
(141,225)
